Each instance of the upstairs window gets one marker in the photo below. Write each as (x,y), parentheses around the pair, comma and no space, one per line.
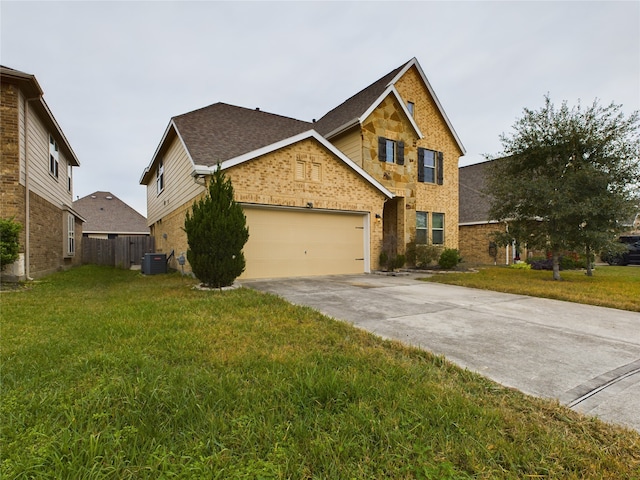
(69,177)
(430,166)
(160,177)
(54,157)
(437,228)
(412,108)
(390,151)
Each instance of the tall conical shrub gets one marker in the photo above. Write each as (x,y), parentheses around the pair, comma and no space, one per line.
(216,232)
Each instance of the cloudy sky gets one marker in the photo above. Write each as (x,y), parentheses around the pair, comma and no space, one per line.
(114,73)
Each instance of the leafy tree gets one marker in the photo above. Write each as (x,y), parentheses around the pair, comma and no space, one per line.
(216,232)
(9,241)
(568,179)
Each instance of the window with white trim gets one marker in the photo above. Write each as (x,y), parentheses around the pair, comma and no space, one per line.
(69,177)
(160,177)
(422,227)
(54,156)
(70,235)
(412,108)
(437,228)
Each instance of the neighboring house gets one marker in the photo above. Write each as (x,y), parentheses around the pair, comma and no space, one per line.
(377,172)
(475,227)
(106,216)
(37,179)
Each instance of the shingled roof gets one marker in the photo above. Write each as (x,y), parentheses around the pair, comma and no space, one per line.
(352,109)
(473,204)
(105,213)
(220,131)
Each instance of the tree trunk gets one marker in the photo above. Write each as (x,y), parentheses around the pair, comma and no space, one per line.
(589,264)
(556,265)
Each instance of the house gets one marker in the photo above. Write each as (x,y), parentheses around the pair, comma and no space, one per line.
(326,197)
(476,245)
(37,179)
(109,217)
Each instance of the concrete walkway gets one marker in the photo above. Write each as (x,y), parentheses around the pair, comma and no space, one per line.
(586,357)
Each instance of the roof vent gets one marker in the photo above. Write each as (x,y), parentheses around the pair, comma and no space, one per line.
(109,197)
(257,109)
(93,196)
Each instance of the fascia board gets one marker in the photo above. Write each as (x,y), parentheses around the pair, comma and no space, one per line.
(172,126)
(391,90)
(202,170)
(410,64)
(56,126)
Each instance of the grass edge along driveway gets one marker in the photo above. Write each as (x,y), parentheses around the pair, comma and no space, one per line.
(109,374)
(614,287)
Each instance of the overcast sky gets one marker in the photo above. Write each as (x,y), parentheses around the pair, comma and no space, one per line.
(114,73)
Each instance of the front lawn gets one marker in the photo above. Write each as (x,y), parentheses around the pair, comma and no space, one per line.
(109,374)
(616,287)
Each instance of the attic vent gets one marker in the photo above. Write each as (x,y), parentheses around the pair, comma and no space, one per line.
(93,196)
(257,109)
(109,197)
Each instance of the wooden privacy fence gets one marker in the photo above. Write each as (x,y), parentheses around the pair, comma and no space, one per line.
(121,252)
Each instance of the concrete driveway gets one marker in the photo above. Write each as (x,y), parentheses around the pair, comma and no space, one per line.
(586,357)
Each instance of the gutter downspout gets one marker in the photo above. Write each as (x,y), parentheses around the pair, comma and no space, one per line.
(27,203)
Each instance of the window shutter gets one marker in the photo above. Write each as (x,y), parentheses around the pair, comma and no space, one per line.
(400,153)
(421,164)
(382,149)
(440,168)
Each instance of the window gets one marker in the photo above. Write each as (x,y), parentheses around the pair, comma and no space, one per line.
(430,166)
(411,107)
(160,176)
(54,157)
(69,176)
(422,223)
(437,229)
(70,235)
(390,151)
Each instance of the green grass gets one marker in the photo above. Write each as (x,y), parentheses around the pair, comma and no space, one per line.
(616,287)
(108,374)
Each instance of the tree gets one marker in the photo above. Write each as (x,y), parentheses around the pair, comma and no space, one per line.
(568,179)
(216,232)
(9,241)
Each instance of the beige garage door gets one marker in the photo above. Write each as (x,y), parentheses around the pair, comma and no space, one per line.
(292,243)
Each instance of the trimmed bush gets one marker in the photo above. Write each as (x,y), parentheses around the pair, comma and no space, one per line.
(9,241)
(216,231)
(449,258)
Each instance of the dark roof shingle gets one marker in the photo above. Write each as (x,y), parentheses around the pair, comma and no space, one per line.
(473,203)
(353,108)
(220,131)
(106,213)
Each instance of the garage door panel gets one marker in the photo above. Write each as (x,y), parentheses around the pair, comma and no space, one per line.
(299,243)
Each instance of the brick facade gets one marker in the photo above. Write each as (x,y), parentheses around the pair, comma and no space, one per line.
(48,238)
(271,180)
(12,198)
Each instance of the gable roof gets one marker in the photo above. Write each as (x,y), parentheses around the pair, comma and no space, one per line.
(358,107)
(106,213)
(473,203)
(34,95)
(309,134)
